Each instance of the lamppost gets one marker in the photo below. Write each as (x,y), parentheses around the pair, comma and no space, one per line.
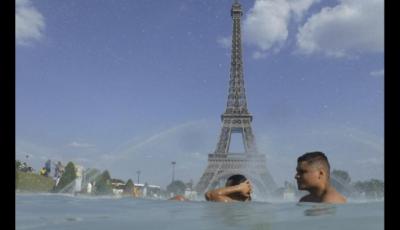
(26,157)
(173,170)
(138,176)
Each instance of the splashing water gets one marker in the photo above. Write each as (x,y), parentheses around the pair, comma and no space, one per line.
(187,143)
(70,188)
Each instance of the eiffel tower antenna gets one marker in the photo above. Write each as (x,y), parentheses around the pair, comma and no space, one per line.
(236,119)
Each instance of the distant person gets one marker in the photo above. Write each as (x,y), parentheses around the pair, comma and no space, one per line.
(136,192)
(237,188)
(42,171)
(179,198)
(313,175)
(47,166)
(57,170)
(24,167)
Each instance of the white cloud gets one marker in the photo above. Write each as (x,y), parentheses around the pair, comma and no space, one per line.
(29,22)
(377,73)
(76,144)
(347,29)
(258,55)
(224,41)
(266,25)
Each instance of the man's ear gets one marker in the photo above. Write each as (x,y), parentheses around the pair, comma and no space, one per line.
(321,173)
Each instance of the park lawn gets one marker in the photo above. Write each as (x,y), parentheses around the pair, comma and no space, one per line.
(32,182)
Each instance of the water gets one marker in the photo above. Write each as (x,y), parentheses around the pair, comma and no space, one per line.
(58,211)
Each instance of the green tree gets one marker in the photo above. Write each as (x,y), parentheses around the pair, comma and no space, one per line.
(176,187)
(116,180)
(128,187)
(103,184)
(340,180)
(17,164)
(106,175)
(373,188)
(66,179)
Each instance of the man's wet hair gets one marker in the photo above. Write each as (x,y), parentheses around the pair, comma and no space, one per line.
(235,180)
(316,157)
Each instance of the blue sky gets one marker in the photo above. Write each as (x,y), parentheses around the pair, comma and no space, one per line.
(133,85)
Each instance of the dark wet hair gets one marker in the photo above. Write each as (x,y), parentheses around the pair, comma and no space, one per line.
(235,180)
(315,157)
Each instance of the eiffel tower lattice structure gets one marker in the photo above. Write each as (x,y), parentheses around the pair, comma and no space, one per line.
(236,119)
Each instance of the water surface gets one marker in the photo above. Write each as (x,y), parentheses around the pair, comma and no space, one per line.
(55,211)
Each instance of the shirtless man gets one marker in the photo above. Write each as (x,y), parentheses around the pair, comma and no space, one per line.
(313,175)
(237,188)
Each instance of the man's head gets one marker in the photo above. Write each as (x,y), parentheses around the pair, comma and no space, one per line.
(235,180)
(313,170)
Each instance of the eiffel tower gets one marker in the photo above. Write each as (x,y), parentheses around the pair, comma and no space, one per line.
(236,119)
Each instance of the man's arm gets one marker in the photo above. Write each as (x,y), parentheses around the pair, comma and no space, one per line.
(215,196)
(222,194)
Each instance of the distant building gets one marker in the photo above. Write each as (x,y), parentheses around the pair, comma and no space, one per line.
(117,192)
(117,186)
(147,191)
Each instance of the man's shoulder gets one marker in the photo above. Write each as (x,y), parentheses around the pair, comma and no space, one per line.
(334,196)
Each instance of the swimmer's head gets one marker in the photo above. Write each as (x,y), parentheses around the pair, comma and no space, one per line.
(235,180)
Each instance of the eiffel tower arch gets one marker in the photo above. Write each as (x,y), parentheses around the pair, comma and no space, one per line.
(236,119)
